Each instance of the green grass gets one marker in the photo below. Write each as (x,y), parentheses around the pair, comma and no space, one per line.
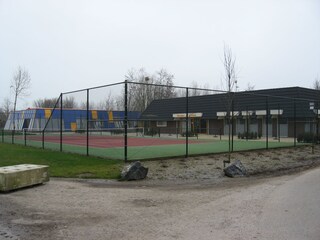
(61,164)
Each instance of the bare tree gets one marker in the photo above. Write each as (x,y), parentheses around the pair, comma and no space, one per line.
(250,87)
(180,92)
(2,118)
(230,74)
(92,105)
(193,91)
(316,83)
(108,103)
(20,85)
(137,94)
(69,102)
(7,106)
(119,103)
(45,103)
(142,94)
(230,82)
(205,86)
(197,90)
(163,78)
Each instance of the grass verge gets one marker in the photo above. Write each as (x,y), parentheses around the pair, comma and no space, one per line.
(61,164)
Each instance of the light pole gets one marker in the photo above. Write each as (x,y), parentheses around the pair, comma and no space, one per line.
(146,79)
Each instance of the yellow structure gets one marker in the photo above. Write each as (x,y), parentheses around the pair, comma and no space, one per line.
(47,113)
(110,115)
(94,114)
(73,126)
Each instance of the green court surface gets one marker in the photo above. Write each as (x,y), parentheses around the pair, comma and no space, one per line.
(161,151)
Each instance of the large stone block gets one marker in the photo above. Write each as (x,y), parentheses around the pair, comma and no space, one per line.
(24,175)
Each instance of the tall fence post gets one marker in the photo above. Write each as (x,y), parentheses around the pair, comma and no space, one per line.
(24,136)
(87,122)
(46,122)
(229,132)
(247,125)
(126,121)
(317,124)
(267,123)
(187,122)
(232,121)
(40,122)
(43,139)
(317,130)
(294,123)
(14,127)
(278,123)
(61,105)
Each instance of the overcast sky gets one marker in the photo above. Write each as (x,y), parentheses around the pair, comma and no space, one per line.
(73,44)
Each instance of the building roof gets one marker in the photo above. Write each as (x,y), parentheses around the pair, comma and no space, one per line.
(209,105)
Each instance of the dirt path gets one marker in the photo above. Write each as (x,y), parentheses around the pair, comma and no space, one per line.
(187,199)
(85,210)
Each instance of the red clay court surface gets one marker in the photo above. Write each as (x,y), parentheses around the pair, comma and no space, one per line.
(110,142)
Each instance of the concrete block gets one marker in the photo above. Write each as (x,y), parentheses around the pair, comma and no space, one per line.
(23,175)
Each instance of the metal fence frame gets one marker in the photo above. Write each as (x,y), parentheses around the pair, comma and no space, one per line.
(59,107)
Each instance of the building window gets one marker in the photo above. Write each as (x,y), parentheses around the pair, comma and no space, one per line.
(253,121)
(241,121)
(161,123)
(283,120)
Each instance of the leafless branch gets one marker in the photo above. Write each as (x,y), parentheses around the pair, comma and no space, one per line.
(316,83)
(20,85)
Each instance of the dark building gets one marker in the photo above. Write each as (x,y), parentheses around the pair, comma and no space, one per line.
(283,112)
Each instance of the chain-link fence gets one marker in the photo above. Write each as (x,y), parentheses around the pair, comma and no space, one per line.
(129,120)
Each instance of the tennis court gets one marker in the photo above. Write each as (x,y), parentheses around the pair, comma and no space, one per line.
(108,141)
(139,146)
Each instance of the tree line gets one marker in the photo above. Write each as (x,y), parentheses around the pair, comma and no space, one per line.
(140,95)
(146,88)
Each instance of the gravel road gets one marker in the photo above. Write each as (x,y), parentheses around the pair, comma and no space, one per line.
(171,208)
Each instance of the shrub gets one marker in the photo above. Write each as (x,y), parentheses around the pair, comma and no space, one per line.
(151,132)
(190,134)
(248,135)
(259,135)
(80,131)
(116,131)
(300,138)
(251,136)
(308,137)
